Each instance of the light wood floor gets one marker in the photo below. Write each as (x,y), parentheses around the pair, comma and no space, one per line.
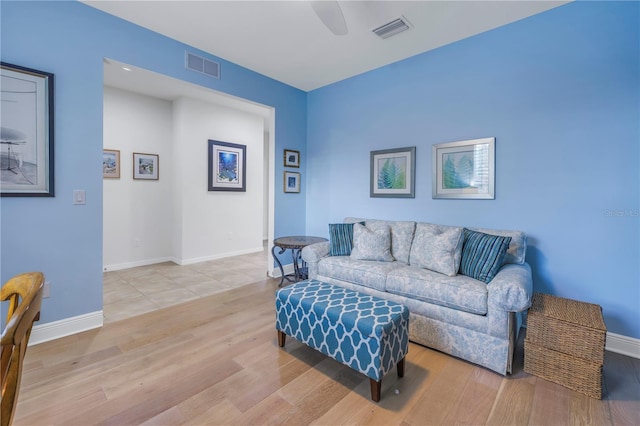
(215,360)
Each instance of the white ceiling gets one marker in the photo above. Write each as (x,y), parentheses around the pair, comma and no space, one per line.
(286,41)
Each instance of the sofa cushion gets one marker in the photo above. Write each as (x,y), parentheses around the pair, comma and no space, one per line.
(371,244)
(517,247)
(482,254)
(361,272)
(401,235)
(340,239)
(460,292)
(438,248)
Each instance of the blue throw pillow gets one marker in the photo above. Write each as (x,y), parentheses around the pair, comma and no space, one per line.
(482,255)
(340,239)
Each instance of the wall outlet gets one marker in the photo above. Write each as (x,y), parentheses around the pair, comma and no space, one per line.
(46,289)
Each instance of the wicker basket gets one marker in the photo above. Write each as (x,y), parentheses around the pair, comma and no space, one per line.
(571,372)
(565,343)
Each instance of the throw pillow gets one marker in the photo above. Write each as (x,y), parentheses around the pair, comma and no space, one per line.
(340,239)
(482,254)
(437,248)
(371,244)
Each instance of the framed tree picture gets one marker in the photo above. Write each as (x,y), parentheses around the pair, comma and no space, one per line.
(393,173)
(26,132)
(464,169)
(227,166)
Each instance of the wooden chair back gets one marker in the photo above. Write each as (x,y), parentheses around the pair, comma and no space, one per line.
(24,293)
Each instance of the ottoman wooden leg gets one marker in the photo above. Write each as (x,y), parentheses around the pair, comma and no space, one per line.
(376,385)
(281,338)
(400,367)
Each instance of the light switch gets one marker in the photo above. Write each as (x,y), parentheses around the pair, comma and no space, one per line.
(79,196)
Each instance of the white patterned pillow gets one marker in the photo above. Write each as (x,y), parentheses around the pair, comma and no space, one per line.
(438,248)
(371,244)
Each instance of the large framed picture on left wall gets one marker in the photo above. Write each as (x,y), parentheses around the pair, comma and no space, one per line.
(26,132)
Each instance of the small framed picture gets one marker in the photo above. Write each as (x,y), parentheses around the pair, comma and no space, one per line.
(291,158)
(110,163)
(145,166)
(291,182)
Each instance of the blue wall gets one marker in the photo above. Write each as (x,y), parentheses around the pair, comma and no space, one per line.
(560,92)
(70,40)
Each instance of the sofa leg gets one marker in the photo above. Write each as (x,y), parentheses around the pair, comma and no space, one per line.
(281,338)
(400,368)
(376,385)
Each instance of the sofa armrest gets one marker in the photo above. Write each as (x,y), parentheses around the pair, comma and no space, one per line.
(315,252)
(512,288)
(312,254)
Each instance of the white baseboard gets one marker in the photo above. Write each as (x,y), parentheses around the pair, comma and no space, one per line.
(127,265)
(56,329)
(193,260)
(624,345)
(181,262)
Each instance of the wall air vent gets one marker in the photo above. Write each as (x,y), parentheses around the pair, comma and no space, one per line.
(392,28)
(202,65)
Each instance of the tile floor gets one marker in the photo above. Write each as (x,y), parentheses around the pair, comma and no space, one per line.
(134,291)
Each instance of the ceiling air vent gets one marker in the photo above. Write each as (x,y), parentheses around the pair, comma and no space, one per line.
(392,28)
(202,65)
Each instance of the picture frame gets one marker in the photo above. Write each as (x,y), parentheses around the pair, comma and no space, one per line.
(291,182)
(393,173)
(146,166)
(110,164)
(291,158)
(26,132)
(227,164)
(464,169)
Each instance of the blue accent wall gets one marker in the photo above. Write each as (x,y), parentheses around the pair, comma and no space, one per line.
(560,92)
(70,40)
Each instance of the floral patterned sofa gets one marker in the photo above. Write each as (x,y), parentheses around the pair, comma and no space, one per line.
(464,287)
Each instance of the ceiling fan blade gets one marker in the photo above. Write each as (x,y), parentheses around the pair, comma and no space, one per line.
(331,16)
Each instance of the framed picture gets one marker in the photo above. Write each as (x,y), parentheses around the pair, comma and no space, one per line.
(464,169)
(227,166)
(26,132)
(291,158)
(291,182)
(110,163)
(145,166)
(393,173)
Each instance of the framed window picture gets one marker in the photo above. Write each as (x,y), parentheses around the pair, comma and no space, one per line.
(227,166)
(464,170)
(145,166)
(110,163)
(393,173)
(291,158)
(291,182)
(26,134)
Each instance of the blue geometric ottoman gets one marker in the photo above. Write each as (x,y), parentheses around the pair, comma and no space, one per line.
(366,333)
